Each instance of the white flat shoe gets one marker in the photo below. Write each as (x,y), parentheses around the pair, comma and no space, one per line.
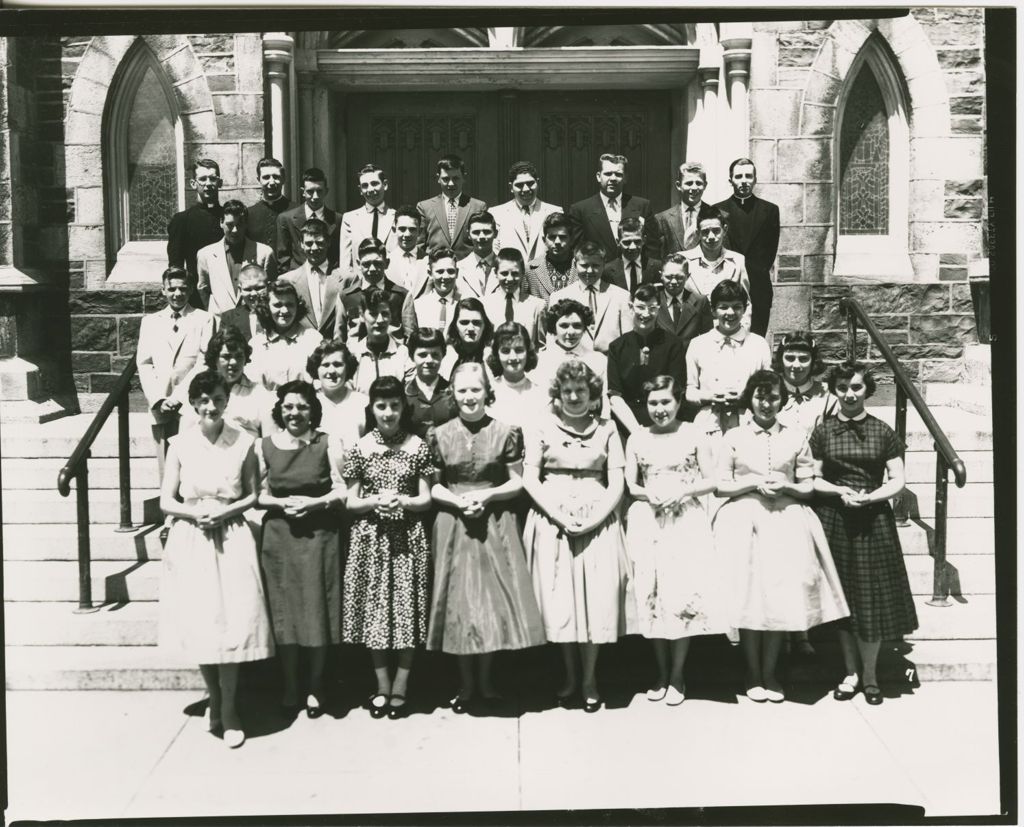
(774,696)
(757,694)
(234,738)
(674,697)
(657,694)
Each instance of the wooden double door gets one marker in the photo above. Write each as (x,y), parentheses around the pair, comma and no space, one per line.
(563,134)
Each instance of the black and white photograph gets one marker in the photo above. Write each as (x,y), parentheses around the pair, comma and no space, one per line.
(648,366)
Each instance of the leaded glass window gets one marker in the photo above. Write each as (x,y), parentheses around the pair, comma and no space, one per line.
(864,160)
(152,174)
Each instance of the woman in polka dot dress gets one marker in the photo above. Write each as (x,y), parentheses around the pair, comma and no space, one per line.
(386,594)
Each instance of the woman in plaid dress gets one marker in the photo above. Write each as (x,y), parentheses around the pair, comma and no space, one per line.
(854,451)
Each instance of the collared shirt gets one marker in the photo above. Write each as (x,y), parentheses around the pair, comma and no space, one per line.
(626,265)
(779,451)
(435,410)
(278,358)
(721,364)
(316,281)
(813,405)
(311,214)
(393,361)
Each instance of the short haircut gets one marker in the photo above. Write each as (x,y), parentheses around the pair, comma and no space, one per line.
(503,334)
(449,162)
(314,226)
(521,168)
(612,159)
(206,163)
(176,273)
(678,257)
(763,380)
(228,338)
(691,168)
(708,213)
(439,253)
(662,382)
(512,254)
(798,340)
(482,217)
(741,162)
(645,293)
(474,305)
(388,387)
(463,367)
(729,291)
(631,224)
(846,371)
(408,211)
(373,300)
(268,162)
(576,370)
(234,208)
(304,389)
(314,175)
(426,337)
(252,269)
(331,346)
(371,245)
(567,307)
(367,169)
(556,221)
(589,249)
(205,383)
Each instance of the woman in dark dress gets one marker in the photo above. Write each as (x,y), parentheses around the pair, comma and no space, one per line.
(301,552)
(469,334)
(483,597)
(860,467)
(427,393)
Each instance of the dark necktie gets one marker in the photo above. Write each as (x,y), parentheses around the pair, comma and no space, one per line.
(174,317)
(444,311)
(376,218)
(632,277)
(509,309)
(592,298)
(674,312)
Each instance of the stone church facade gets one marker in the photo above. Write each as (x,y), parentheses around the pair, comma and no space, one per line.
(870,135)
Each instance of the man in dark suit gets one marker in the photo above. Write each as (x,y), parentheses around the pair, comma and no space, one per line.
(754,233)
(252,286)
(199,226)
(262,223)
(677,225)
(445,215)
(289,223)
(632,267)
(597,218)
(373,263)
(683,313)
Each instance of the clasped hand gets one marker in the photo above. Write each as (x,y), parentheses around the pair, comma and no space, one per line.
(725,401)
(299,506)
(854,499)
(472,504)
(771,487)
(389,503)
(208,518)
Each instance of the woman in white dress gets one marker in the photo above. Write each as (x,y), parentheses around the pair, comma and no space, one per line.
(518,399)
(677,579)
(332,366)
(284,342)
(212,606)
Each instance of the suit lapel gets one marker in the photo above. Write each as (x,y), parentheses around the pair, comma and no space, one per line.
(462,215)
(302,288)
(330,298)
(442,218)
(675,223)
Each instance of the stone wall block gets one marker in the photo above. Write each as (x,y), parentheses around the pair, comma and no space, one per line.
(89,96)
(805,159)
(938,237)
(945,370)
(94,333)
(887,299)
(817,268)
(797,56)
(930,121)
(225,154)
(803,38)
(200,127)
(883,373)
(182,65)
(239,116)
(958,59)
(925,265)
(86,241)
(960,298)
(96,65)
(965,83)
(834,58)
(83,166)
(95,273)
(927,351)
(105,302)
(817,119)
(789,197)
(82,383)
(850,34)
(825,314)
(212,42)
(775,112)
(217,64)
(974,188)
(832,345)
(791,308)
(128,334)
(90,362)
(966,105)
(82,128)
(967,125)
(943,328)
(805,239)
(251,154)
(762,153)
(221,83)
(792,78)
(164,46)
(106,382)
(964,208)
(821,88)
(956,158)
(818,203)
(764,57)
(249,62)
(926,200)
(193,95)
(89,205)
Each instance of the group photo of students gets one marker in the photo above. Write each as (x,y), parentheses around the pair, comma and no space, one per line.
(451,428)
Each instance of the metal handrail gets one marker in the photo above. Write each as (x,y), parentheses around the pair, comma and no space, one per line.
(946,458)
(77,468)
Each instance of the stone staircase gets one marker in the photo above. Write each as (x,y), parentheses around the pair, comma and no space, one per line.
(51,646)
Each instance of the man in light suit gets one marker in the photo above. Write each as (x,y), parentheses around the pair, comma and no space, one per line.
(220,263)
(677,225)
(631,268)
(476,271)
(511,302)
(252,287)
(445,215)
(436,307)
(374,219)
(597,218)
(289,223)
(319,289)
(171,342)
(608,303)
(683,313)
(754,233)
(407,265)
(521,220)
(557,267)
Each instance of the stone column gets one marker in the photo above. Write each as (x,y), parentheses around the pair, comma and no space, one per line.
(736,39)
(278,50)
(305,86)
(710,135)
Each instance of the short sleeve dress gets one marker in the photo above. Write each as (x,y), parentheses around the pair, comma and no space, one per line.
(301,556)
(212,605)
(863,540)
(808,409)
(343,420)
(387,570)
(579,582)
(781,576)
(678,579)
(483,598)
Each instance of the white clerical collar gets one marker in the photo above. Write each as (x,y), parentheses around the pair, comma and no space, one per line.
(743,200)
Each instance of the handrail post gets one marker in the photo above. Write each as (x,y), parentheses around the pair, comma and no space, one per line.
(124,464)
(940,582)
(900,506)
(851,334)
(84,551)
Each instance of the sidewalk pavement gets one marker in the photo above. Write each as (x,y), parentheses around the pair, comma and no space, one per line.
(136,754)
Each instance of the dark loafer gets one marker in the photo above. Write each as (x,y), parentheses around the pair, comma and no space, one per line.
(592,704)
(872,694)
(396,711)
(378,705)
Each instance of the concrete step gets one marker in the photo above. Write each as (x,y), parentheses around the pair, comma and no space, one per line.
(973,500)
(41,473)
(47,506)
(96,667)
(59,541)
(970,574)
(58,625)
(60,437)
(113,581)
(966,431)
(973,619)
(964,535)
(954,660)
(920,466)
(975,398)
